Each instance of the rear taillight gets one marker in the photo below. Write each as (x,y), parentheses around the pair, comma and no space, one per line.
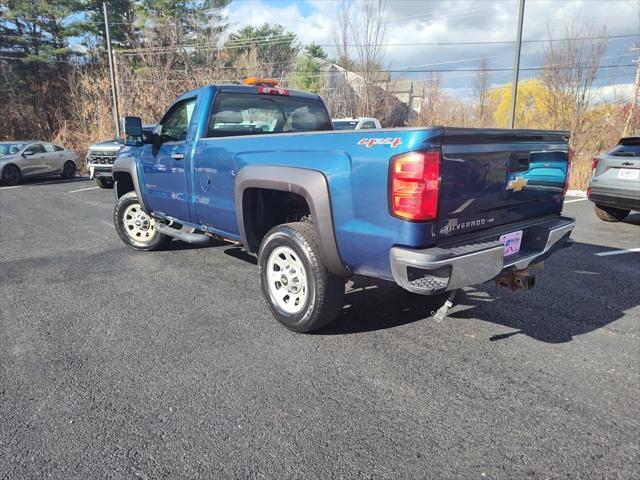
(273,90)
(414,185)
(594,163)
(569,162)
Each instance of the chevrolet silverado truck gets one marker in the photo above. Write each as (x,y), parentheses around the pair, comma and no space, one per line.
(434,209)
(101,155)
(100,158)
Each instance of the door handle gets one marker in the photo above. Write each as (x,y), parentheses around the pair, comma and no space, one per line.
(177,156)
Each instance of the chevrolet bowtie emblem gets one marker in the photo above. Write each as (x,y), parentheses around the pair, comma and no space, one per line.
(517,184)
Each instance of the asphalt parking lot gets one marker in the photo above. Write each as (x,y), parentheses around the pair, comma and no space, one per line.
(121,364)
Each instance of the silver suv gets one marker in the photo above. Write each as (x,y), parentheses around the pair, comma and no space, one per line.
(615,180)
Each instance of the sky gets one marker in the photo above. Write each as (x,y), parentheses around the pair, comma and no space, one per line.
(437,21)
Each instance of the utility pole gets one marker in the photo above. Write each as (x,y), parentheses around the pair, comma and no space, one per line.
(516,67)
(114,90)
(634,99)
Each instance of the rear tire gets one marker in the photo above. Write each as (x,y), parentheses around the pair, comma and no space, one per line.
(299,289)
(134,226)
(68,170)
(101,183)
(610,214)
(11,175)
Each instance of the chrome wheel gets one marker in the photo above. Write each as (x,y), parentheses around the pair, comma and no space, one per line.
(138,225)
(287,280)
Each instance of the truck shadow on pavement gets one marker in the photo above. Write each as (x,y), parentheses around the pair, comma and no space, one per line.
(577,293)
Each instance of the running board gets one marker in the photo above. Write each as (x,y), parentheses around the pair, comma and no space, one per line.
(184,234)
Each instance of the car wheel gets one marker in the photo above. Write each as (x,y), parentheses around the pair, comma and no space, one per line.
(102,183)
(610,214)
(134,226)
(68,170)
(11,175)
(299,290)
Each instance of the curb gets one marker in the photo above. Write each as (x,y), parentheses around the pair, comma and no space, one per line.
(576,193)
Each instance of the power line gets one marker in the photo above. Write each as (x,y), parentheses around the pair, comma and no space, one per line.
(292,77)
(276,40)
(402,70)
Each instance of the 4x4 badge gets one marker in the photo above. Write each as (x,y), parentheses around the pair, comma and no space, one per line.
(517,184)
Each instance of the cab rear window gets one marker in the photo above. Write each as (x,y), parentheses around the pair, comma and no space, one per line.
(250,114)
(344,125)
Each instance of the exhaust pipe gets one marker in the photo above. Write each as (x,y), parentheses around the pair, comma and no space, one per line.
(516,280)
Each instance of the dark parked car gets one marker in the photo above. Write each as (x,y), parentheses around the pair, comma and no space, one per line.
(615,181)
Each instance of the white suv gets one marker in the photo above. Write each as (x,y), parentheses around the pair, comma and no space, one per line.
(355,123)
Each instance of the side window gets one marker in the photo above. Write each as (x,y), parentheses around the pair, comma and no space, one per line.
(58,148)
(49,148)
(176,122)
(36,148)
(368,124)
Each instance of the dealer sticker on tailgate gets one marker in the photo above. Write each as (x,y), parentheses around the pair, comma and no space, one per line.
(511,242)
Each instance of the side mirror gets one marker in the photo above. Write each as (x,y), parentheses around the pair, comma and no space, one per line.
(27,153)
(148,135)
(133,134)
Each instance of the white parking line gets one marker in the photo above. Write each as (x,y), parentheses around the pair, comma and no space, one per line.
(83,189)
(617,252)
(576,200)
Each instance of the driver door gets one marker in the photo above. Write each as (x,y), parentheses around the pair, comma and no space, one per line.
(165,163)
(33,161)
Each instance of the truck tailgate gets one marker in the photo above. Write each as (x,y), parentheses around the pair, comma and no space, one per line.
(493,177)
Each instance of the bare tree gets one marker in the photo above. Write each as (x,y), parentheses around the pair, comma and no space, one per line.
(432,110)
(341,33)
(359,33)
(439,108)
(634,101)
(571,66)
(481,85)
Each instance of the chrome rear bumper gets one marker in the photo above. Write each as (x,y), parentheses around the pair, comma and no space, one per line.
(434,270)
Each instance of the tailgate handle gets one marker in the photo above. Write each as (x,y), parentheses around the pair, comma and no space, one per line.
(519,162)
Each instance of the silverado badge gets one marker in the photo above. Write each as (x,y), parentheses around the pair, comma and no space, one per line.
(517,184)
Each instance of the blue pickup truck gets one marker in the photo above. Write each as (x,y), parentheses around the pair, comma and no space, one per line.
(434,209)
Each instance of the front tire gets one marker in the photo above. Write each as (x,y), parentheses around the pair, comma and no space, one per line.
(134,226)
(102,183)
(11,175)
(610,214)
(68,170)
(299,289)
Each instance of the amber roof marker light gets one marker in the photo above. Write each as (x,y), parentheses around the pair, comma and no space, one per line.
(267,82)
